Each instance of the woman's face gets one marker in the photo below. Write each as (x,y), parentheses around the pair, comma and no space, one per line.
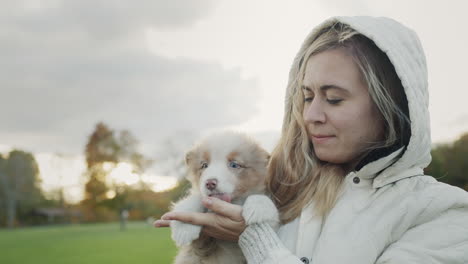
(339,114)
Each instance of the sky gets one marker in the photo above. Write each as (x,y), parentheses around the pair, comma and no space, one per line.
(169,71)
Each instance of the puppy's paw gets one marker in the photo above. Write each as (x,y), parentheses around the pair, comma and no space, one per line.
(260,209)
(183,233)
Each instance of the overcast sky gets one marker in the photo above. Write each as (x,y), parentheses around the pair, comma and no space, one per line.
(163,69)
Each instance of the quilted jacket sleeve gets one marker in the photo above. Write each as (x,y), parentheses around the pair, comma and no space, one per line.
(261,245)
(440,237)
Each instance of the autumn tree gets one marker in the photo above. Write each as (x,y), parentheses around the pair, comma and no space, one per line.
(104,150)
(101,147)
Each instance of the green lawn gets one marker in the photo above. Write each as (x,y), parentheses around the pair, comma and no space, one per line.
(87,243)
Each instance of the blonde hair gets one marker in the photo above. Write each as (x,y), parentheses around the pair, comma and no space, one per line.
(296,176)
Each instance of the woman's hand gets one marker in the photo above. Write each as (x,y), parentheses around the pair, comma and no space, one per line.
(225,223)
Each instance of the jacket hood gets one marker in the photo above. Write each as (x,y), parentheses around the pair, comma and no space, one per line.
(403,48)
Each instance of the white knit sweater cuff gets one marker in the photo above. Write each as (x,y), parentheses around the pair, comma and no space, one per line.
(258,241)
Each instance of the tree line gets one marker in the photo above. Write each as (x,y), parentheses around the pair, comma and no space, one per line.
(450,163)
(22,202)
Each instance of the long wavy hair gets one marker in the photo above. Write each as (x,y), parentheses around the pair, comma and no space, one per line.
(296,176)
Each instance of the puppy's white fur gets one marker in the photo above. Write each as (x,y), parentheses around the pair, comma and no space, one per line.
(238,167)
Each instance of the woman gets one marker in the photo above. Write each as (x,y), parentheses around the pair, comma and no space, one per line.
(347,174)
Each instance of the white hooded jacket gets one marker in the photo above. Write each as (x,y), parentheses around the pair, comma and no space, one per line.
(390,212)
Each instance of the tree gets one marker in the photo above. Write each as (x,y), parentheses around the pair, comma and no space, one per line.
(19,182)
(106,148)
(102,146)
(450,163)
(3,162)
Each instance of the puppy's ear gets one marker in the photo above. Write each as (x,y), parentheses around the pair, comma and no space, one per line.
(189,156)
(265,154)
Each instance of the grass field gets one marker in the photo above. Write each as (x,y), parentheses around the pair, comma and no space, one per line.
(87,243)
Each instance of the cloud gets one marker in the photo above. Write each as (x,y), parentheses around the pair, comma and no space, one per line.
(101,16)
(68,65)
(458,120)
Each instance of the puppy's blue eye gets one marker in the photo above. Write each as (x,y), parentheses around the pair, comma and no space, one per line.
(204,165)
(234,165)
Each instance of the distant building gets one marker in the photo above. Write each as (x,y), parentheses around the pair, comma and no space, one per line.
(57,215)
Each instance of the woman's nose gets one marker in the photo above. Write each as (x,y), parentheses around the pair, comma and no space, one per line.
(314,113)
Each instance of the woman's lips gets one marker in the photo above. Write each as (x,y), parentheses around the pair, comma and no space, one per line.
(321,138)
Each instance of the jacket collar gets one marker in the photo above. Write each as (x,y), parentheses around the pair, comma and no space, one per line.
(370,170)
(386,170)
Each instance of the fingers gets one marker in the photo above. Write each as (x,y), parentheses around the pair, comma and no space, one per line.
(232,211)
(162,223)
(190,217)
(224,234)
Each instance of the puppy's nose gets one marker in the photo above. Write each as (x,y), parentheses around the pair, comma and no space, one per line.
(211,184)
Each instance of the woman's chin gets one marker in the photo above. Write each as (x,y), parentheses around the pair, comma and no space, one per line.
(331,158)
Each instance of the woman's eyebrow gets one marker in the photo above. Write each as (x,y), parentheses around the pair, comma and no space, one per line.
(332,86)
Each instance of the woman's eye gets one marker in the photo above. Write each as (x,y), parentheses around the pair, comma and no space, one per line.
(234,165)
(308,99)
(334,101)
(204,165)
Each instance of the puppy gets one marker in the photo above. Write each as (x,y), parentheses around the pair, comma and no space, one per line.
(231,167)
